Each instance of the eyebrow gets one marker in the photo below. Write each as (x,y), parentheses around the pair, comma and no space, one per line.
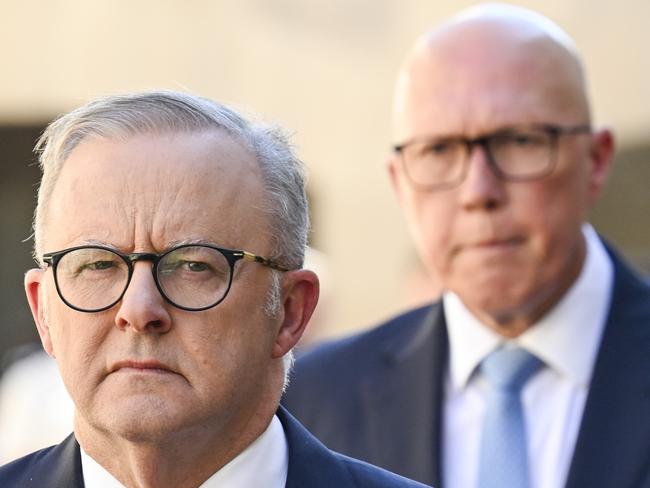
(186,242)
(167,247)
(97,242)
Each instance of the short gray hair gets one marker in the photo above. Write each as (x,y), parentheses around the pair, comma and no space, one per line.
(167,111)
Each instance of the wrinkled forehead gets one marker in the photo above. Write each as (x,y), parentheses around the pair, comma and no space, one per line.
(155,188)
(489,68)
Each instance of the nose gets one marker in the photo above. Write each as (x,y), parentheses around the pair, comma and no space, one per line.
(142,307)
(482,188)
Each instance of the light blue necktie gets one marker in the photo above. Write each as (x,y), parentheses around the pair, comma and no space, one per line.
(503,456)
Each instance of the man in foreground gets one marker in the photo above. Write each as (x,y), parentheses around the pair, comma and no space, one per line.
(533,368)
(171,234)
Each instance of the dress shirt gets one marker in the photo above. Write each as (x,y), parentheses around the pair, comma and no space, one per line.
(566,339)
(264,463)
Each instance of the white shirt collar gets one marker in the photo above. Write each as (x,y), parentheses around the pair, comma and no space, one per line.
(566,338)
(264,463)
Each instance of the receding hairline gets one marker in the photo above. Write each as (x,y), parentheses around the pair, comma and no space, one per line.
(164,111)
(121,116)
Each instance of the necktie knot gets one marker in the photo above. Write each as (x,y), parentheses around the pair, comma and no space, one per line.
(510,368)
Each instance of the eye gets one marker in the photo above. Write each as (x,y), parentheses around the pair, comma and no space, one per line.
(196,266)
(99,265)
(438,147)
(193,263)
(91,268)
(521,139)
(182,265)
(524,139)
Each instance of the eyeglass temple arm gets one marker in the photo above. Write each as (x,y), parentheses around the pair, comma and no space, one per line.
(575,129)
(259,259)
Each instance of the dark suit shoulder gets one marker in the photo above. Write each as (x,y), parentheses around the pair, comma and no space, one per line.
(365,347)
(25,461)
(19,472)
(52,467)
(371,396)
(613,445)
(312,465)
(368,475)
(330,373)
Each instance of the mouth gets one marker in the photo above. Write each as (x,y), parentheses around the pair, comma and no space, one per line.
(491,245)
(497,243)
(148,366)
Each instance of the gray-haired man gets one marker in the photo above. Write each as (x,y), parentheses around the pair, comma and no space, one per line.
(170,234)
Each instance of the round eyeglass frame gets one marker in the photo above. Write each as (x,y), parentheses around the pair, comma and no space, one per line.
(52,259)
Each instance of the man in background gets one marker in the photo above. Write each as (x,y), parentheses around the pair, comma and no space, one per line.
(532,370)
(170,234)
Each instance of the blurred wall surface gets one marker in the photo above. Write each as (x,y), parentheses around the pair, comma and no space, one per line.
(325,69)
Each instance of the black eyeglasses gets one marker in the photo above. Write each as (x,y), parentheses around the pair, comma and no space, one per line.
(518,153)
(191,277)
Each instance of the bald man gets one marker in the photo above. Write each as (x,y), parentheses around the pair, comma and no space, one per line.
(532,370)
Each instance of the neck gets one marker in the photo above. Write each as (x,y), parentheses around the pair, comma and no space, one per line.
(183,459)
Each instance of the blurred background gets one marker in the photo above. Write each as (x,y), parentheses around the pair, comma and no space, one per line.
(323,68)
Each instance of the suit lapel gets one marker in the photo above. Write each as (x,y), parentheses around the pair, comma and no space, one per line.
(59,466)
(311,464)
(68,472)
(613,445)
(402,402)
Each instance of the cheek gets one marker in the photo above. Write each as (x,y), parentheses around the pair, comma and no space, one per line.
(556,208)
(76,343)
(228,366)
(431,221)
(223,345)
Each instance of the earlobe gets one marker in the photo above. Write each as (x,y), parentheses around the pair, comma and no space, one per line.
(34,292)
(601,153)
(300,296)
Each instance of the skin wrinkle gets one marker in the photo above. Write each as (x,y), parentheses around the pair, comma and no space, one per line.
(447,88)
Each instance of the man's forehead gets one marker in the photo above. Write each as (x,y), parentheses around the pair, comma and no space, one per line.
(159,188)
(485,43)
(465,66)
(146,155)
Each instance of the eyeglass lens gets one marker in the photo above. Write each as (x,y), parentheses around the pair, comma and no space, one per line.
(190,277)
(520,153)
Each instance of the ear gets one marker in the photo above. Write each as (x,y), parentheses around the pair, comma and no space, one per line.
(34,290)
(601,153)
(300,290)
(395,175)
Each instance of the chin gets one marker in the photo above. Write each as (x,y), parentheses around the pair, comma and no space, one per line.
(501,283)
(498,299)
(140,432)
(518,308)
(142,419)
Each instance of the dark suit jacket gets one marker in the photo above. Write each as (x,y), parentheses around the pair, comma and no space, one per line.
(377,396)
(311,465)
